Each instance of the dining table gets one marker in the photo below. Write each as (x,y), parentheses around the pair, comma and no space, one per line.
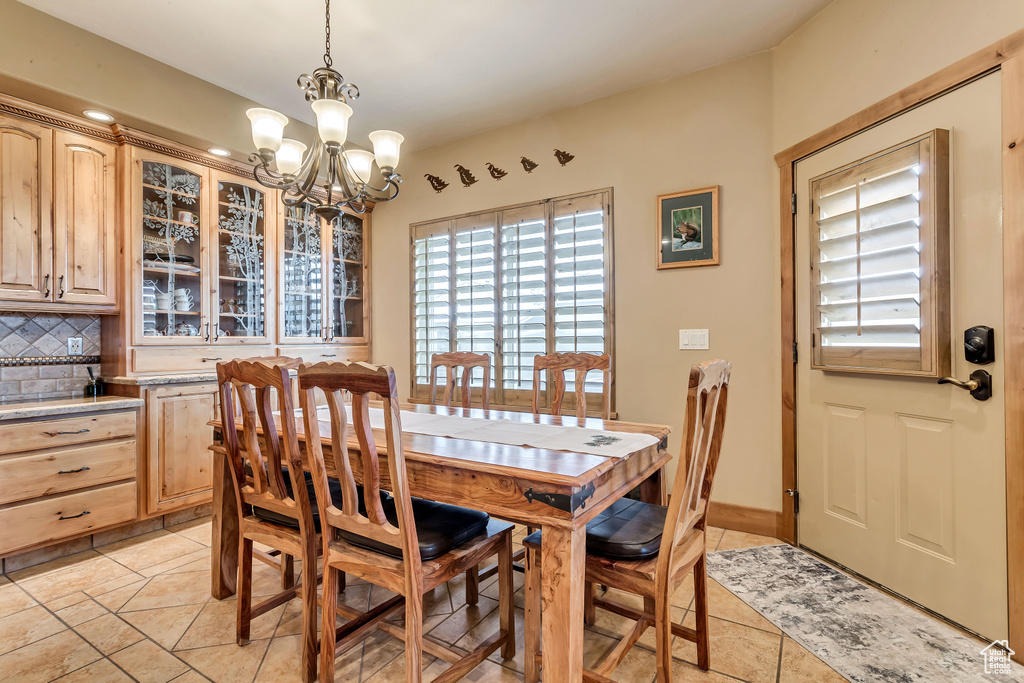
(558,483)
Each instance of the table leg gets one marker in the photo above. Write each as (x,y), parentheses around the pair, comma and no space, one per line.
(224,546)
(564,554)
(652,489)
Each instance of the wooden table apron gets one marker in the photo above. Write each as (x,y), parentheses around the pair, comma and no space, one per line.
(496,478)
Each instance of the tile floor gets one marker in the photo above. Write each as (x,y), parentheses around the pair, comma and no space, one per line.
(140,609)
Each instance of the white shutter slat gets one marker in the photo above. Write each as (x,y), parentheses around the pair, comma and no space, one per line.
(891,261)
(871,311)
(895,284)
(873,335)
(888,237)
(887,213)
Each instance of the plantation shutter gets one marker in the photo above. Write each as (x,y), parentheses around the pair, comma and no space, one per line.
(432,290)
(880,292)
(524,297)
(475,287)
(513,283)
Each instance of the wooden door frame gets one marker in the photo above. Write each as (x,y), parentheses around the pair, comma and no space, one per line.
(1006,56)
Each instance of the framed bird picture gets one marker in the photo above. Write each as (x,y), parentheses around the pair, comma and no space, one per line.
(688,228)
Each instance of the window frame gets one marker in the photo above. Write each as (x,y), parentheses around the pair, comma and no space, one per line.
(934,352)
(420,393)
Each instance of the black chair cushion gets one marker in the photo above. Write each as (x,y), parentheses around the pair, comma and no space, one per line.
(333,485)
(439,528)
(626,530)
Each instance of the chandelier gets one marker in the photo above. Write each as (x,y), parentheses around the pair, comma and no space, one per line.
(342,175)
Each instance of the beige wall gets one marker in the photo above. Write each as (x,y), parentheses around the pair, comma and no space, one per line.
(709,128)
(857,52)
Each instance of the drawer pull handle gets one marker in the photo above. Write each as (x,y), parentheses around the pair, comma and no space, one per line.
(208,360)
(80,469)
(81,514)
(80,431)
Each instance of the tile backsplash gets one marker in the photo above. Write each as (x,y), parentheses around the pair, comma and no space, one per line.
(45,335)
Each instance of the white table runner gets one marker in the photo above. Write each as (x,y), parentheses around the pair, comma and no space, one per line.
(509,432)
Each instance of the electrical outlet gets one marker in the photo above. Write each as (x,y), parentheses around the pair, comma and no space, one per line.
(693,339)
(75,346)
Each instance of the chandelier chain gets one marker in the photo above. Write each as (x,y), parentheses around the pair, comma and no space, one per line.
(327,43)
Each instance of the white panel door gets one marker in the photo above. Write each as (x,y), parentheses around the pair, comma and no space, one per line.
(902,479)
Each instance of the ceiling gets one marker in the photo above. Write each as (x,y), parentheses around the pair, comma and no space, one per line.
(438,70)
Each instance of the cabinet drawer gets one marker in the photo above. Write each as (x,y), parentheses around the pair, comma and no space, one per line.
(192,358)
(66,431)
(41,521)
(325,353)
(56,471)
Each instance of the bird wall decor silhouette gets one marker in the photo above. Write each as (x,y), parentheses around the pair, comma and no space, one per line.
(528,164)
(563,157)
(465,175)
(435,182)
(496,173)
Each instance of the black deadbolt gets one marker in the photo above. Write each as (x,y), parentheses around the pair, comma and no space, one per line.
(979,345)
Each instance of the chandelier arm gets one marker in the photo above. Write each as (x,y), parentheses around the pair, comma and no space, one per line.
(348,177)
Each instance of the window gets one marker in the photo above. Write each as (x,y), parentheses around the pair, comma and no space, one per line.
(514,282)
(880,262)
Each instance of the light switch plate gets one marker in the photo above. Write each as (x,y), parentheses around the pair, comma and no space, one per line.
(75,346)
(694,339)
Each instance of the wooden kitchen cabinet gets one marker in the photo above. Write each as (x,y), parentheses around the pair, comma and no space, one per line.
(58,218)
(178,438)
(26,196)
(84,220)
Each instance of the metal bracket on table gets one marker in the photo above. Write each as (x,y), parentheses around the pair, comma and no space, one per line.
(562,501)
(663,445)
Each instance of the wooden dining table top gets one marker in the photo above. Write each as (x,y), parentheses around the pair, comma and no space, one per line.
(559,467)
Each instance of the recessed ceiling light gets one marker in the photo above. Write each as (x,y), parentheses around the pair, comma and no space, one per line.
(97,115)
(218,152)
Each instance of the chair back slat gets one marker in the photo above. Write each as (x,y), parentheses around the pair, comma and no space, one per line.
(362,381)
(556,364)
(467,361)
(706,402)
(247,389)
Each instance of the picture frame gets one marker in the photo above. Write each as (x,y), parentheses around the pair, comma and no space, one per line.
(688,228)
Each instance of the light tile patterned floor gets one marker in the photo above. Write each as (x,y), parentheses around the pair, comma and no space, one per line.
(140,609)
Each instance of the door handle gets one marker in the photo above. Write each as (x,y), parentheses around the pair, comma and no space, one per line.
(207,332)
(60,287)
(46,285)
(980,384)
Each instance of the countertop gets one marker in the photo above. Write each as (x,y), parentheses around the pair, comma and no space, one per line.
(151,380)
(65,406)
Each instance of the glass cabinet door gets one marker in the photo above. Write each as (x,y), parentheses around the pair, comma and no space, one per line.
(302,285)
(172,249)
(240,290)
(346,273)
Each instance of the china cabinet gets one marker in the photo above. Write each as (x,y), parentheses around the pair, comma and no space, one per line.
(324,282)
(58,218)
(200,274)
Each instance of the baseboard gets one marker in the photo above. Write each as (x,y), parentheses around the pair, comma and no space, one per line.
(742,518)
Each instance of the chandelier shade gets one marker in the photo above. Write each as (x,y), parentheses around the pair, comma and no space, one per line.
(326,174)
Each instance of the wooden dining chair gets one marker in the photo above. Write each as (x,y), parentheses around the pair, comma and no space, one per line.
(272,493)
(467,361)
(406,545)
(556,365)
(648,549)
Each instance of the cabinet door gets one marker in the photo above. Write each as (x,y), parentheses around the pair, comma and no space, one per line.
(26,234)
(301,285)
(347,277)
(177,441)
(238,265)
(85,258)
(172,281)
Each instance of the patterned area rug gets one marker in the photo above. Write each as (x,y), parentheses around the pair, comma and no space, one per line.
(860,632)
